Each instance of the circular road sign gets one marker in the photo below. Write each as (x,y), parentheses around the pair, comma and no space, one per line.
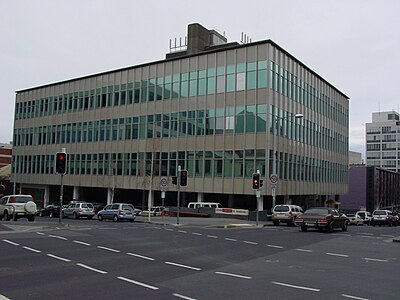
(164,183)
(273,179)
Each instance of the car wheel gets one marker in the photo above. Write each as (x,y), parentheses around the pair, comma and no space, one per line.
(100,217)
(115,218)
(344,228)
(15,217)
(75,216)
(276,223)
(6,216)
(304,228)
(31,218)
(330,227)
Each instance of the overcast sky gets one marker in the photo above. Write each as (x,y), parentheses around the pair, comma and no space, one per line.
(353,44)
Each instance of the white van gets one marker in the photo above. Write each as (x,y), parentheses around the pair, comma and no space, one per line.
(204,204)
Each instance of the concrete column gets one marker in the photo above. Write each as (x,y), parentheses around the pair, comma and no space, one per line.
(109,196)
(260,203)
(75,193)
(150,199)
(46,195)
(231,201)
(200,197)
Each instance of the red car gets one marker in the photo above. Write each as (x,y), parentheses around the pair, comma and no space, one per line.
(322,218)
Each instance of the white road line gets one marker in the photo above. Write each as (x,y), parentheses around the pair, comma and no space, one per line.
(59,258)
(365,233)
(274,246)
(303,250)
(40,233)
(3,297)
(82,243)
(212,236)
(183,297)
(169,229)
(250,243)
(336,254)
(233,275)
(58,237)
(296,286)
(375,259)
(11,243)
(31,249)
(232,240)
(354,297)
(91,269)
(107,228)
(196,233)
(182,266)
(108,249)
(140,256)
(182,231)
(138,283)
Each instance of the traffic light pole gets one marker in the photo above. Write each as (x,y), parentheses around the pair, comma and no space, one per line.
(179,191)
(61,198)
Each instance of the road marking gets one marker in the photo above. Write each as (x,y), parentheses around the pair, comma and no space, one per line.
(182,266)
(169,229)
(296,286)
(31,249)
(82,243)
(91,269)
(108,249)
(59,258)
(232,240)
(11,243)
(58,237)
(336,254)
(274,246)
(183,297)
(182,231)
(40,233)
(140,256)
(108,228)
(354,297)
(365,233)
(3,297)
(138,283)
(196,233)
(212,236)
(250,243)
(375,259)
(387,235)
(303,250)
(233,275)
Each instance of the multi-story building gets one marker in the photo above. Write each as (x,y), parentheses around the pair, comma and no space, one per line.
(216,109)
(5,155)
(383,140)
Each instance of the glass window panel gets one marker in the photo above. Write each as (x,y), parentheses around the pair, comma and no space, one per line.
(240,81)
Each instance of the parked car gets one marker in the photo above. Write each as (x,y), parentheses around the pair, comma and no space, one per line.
(17,206)
(98,206)
(322,218)
(286,214)
(355,219)
(153,211)
(365,215)
(117,212)
(50,210)
(383,217)
(78,210)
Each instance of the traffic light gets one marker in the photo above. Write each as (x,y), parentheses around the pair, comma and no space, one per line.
(174,180)
(256,181)
(61,162)
(184,178)
(261,182)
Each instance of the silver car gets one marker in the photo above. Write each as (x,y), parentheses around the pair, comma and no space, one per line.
(117,212)
(78,210)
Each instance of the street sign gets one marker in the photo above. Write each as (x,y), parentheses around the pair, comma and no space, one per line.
(273,180)
(164,184)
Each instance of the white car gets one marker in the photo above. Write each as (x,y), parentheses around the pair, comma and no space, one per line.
(365,215)
(355,219)
(16,206)
(286,213)
(154,211)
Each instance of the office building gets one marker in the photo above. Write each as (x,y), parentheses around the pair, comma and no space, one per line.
(212,107)
(382,141)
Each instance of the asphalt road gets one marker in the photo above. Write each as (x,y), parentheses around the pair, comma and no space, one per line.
(89,259)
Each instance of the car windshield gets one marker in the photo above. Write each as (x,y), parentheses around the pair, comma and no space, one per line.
(281,208)
(380,212)
(319,211)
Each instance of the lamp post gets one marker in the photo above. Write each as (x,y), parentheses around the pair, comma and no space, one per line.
(274,173)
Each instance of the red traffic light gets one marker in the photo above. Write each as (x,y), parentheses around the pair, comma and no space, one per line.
(61,163)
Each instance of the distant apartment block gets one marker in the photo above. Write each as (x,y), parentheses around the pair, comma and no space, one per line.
(5,155)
